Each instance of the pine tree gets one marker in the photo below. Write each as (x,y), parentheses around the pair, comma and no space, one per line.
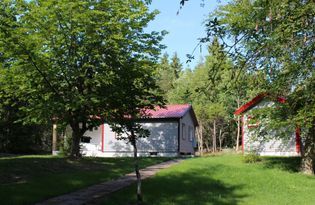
(176,66)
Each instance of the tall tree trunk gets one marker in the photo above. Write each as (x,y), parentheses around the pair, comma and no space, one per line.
(238,134)
(136,164)
(214,137)
(76,136)
(220,140)
(308,152)
(200,139)
(54,139)
(207,145)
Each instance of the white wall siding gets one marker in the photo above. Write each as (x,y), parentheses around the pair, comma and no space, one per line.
(163,140)
(111,144)
(163,137)
(186,141)
(94,147)
(270,144)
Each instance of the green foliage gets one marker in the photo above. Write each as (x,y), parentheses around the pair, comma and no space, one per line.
(65,142)
(69,61)
(176,66)
(168,72)
(212,90)
(276,40)
(164,74)
(251,158)
(18,138)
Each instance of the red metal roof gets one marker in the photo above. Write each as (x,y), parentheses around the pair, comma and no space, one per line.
(254,102)
(170,111)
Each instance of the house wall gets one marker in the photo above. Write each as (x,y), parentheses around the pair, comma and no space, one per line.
(163,139)
(95,144)
(187,134)
(271,143)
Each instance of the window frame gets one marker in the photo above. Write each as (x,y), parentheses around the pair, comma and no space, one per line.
(191,133)
(183,131)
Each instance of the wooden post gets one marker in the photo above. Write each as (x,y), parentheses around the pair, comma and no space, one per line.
(54,139)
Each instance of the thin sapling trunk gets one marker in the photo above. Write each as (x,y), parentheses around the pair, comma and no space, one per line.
(136,164)
(214,137)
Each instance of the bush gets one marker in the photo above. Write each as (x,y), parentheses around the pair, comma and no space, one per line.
(252,158)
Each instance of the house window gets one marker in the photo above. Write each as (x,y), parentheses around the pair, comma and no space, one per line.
(86,139)
(191,133)
(183,131)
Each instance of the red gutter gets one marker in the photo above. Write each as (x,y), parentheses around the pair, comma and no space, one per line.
(298,140)
(102,144)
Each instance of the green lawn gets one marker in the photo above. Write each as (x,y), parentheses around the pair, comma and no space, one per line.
(225,180)
(29,179)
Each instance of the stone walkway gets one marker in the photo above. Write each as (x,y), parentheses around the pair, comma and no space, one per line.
(92,193)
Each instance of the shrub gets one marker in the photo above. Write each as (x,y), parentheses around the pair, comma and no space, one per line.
(252,158)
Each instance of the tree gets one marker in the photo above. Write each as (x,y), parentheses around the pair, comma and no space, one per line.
(181,92)
(207,88)
(276,38)
(176,66)
(16,137)
(219,70)
(125,120)
(169,72)
(165,80)
(76,60)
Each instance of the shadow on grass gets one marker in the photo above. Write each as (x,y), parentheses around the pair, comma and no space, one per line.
(178,188)
(290,164)
(27,179)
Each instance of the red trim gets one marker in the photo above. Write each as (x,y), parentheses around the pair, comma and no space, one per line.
(242,119)
(250,104)
(281,100)
(254,102)
(298,140)
(103,131)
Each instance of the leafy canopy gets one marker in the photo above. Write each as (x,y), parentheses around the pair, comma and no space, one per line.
(71,60)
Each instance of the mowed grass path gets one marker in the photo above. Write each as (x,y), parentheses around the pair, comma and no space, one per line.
(224,180)
(29,179)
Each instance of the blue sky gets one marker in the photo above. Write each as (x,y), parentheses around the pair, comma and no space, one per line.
(184,29)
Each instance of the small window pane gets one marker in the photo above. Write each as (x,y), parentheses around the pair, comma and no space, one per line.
(191,133)
(183,131)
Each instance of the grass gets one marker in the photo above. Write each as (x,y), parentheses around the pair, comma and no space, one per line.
(224,180)
(29,179)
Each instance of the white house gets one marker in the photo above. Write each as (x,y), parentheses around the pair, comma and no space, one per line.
(272,145)
(172,133)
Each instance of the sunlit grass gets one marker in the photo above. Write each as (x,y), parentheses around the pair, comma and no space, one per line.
(225,180)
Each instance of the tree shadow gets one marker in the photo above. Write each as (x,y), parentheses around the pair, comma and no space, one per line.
(182,188)
(290,164)
(27,179)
